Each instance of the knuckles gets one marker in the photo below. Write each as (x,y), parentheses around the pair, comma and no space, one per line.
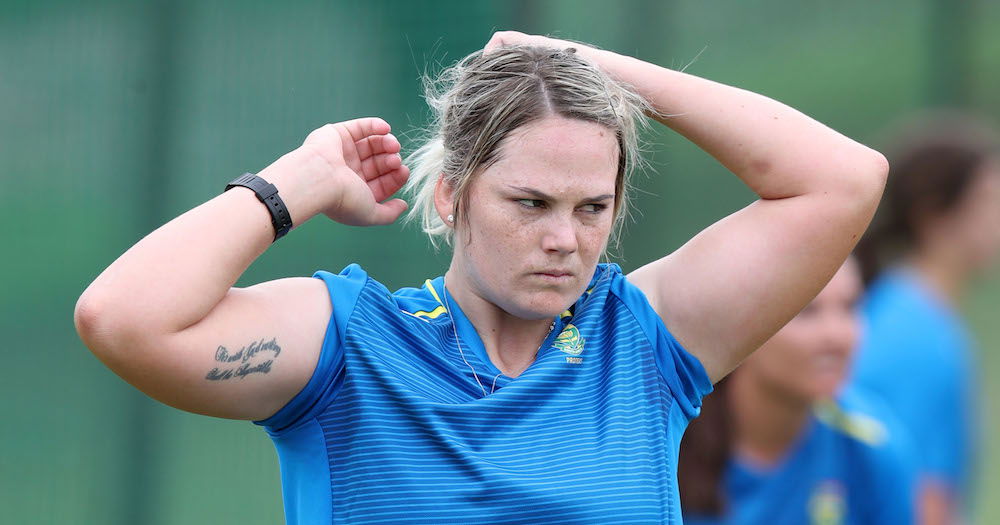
(504,38)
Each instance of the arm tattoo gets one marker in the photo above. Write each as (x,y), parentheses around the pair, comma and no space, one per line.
(242,363)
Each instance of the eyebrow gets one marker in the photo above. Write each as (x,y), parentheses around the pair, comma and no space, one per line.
(546,197)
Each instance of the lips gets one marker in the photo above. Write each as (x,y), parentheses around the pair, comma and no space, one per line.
(556,273)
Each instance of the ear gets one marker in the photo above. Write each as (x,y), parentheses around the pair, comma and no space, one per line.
(444,200)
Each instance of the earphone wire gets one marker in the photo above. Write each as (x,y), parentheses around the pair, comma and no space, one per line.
(458,342)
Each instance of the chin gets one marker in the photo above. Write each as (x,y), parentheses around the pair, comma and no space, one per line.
(826,387)
(540,305)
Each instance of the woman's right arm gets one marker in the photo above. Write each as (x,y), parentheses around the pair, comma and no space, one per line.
(166,317)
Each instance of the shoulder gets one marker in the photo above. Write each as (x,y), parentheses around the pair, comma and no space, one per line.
(353,288)
(869,428)
(910,332)
(683,373)
(899,296)
(854,417)
(881,455)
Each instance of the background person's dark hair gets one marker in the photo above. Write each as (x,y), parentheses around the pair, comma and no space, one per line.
(705,450)
(933,161)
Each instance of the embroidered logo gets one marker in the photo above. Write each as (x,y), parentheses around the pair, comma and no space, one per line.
(827,505)
(570,342)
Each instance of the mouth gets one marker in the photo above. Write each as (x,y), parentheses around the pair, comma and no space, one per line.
(555,275)
(830,361)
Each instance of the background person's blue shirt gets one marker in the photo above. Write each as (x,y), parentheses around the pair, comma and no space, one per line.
(393,428)
(917,355)
(851,465)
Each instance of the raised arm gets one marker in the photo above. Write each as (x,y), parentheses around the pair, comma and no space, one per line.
(165,316)
(732,286)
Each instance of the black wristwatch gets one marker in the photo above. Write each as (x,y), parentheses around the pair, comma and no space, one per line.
(267,193)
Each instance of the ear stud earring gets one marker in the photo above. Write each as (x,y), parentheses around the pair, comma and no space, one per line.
(451,218)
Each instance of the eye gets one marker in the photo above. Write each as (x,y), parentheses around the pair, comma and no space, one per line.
(531,203)
(594,208)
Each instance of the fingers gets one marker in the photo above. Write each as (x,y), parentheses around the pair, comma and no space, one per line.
(361,128)
(377,144)
(378,165)
(387,212)
(504,38)
(384,186)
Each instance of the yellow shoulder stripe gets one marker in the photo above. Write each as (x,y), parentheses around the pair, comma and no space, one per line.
(430,287)
(431,314)
(856,425)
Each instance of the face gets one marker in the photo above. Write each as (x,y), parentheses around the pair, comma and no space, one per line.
(975,223)
(809,358)
(538,219)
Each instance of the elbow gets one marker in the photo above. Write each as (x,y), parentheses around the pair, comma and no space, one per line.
(101,325)
(878,173)
(92,322)
(866,179)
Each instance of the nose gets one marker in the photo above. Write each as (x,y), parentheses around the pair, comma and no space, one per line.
(840,331)
(560,236)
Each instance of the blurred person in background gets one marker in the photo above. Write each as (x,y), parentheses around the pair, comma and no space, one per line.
(780,441)
(937,229)
(529,383)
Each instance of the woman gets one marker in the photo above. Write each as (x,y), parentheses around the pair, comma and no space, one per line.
(938,229)
(779,443)
(528,383)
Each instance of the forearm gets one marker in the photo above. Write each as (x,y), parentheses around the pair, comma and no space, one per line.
(177,274)
(777,151)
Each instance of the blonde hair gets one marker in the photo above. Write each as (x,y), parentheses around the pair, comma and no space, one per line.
(479,101)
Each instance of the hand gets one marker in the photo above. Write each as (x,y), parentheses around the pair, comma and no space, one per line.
(516,38)
(350,169)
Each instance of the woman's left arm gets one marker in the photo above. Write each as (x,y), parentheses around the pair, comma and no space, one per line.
(732,286)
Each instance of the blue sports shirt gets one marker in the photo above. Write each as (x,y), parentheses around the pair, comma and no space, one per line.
(851,465)
(917,355)
(393,427)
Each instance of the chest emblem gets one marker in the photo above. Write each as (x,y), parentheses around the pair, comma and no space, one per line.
(827,505)
(570,341)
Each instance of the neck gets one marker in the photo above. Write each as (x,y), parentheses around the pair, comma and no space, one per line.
(766,422)
(511,342)
(942,270)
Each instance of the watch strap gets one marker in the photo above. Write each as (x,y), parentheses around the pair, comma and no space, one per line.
(267,194)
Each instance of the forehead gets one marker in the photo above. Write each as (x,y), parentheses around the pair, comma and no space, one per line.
(558,154)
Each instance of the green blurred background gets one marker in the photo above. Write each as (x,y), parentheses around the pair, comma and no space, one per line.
(116,116)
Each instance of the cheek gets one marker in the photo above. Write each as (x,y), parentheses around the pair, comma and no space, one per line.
(785,361)
(773,360)
(594,239)
(851,329)
(981,229)
(992,227)
(981,222)
(495,242)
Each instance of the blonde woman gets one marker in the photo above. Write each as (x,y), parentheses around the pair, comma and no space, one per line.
(529,383)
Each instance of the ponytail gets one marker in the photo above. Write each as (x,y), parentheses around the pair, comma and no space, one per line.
(426,166)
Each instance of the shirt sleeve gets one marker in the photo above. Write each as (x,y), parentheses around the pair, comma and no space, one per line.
(683,372)
(344,290)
